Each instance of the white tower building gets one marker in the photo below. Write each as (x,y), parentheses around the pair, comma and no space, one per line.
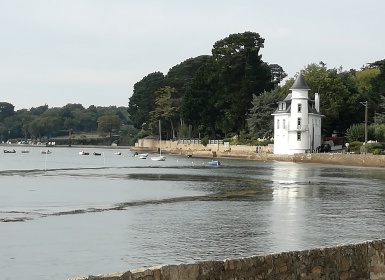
(297,121)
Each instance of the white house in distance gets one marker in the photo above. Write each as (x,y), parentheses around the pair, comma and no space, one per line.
(297,121)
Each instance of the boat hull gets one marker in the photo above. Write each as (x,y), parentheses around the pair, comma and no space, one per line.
(158,158)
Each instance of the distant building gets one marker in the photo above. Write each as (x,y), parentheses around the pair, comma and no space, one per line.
(297,121)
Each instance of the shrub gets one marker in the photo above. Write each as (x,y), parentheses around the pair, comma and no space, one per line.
(205,141)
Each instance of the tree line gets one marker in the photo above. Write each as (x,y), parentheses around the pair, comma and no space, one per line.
(233,92)
(44,123)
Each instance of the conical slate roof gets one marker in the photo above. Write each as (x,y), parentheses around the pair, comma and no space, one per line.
(300,83)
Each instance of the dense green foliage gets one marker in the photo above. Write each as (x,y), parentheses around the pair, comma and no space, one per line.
(209,95)
(142,101)
(44,123)
(341,95)
(233,92)
(259,120)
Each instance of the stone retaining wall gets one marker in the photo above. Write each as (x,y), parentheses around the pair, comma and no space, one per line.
(352,261)
(264,153)
(342,159)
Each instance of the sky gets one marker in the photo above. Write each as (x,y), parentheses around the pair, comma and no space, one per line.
(92,52)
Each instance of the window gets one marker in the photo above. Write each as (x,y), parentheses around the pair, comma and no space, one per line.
(298,136)
(299,123)
(284,124)
(277,124)
(299,108)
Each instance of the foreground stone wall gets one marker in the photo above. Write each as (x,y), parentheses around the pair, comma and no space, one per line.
(353,261)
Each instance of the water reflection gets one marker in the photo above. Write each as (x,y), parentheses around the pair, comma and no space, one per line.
(137,213)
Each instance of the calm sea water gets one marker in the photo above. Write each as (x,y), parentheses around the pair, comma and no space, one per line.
(64,215)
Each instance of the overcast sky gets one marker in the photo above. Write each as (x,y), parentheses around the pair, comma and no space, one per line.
(92,52)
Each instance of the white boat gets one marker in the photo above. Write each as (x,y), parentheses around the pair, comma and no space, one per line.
(118,153)
(25,151)
(141,156)
(46,152)
(214,163)
(160,157)
(83,153)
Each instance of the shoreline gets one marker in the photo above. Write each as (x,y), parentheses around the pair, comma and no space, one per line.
(362,160)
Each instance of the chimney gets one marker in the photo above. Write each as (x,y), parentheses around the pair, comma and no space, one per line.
(316,101)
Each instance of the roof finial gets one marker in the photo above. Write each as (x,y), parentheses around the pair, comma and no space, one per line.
(300,82)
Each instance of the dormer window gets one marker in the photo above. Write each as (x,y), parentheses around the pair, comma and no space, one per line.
(281,106)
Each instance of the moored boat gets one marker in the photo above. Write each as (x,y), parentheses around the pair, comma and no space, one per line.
(10,151)
(141,156)
(25,151)
(45,152)
(83,153)
(214,163)
(159,157)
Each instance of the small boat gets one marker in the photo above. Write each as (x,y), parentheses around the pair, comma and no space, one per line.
(47,152)
(214,163)
(141,156)
(97,154)
(160,157)
(118,153)
(10,151)
(83,153)
(25,151)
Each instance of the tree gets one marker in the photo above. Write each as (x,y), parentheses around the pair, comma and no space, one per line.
(378,82)
(142,101)
(259,121)
(376,91)
(108,123)
(356,132)
(179,76)
(38,110)
(277,73)
(199,105)
(6,110)
(165,109)
(241,73)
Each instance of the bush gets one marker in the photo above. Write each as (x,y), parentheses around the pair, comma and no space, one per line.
(205,141)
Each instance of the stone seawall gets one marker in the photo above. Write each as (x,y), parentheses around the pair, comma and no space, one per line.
(352,261)
(263,153)
(342,159)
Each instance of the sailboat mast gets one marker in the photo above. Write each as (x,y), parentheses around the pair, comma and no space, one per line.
(160,140)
